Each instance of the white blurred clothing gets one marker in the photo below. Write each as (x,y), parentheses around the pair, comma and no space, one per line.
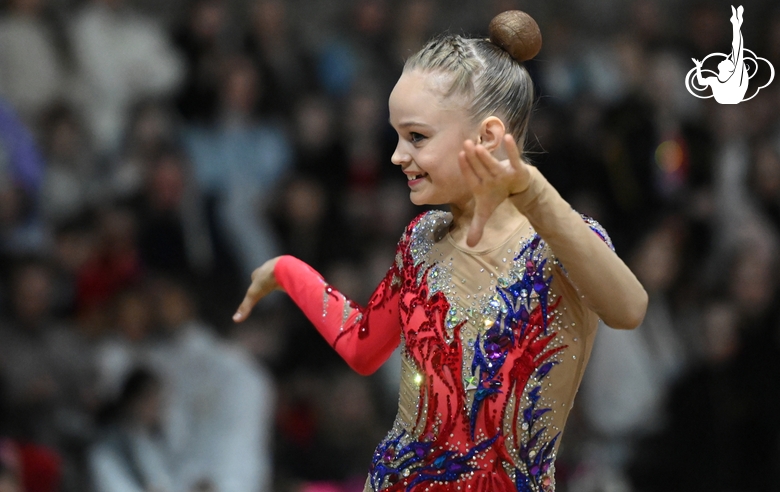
(630,372)
(737,214)
(623,394)
(116,358)
(220,412)
(737,219)
(122,57)
(68,191)
(131,462)
(31,75)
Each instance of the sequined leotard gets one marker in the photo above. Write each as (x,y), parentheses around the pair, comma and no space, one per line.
(494,344)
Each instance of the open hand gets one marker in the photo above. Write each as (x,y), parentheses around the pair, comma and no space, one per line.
(491,181)
(263,283)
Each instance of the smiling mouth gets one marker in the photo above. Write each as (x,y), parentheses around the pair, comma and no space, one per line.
(413,177)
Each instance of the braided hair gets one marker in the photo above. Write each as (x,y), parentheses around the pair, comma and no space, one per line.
(492,81)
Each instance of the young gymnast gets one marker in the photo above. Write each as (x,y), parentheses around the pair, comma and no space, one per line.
(495,305)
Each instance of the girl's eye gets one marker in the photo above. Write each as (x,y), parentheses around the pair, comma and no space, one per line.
(415,137)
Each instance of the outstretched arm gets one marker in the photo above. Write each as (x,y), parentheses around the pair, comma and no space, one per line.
(606,284)
(363,336)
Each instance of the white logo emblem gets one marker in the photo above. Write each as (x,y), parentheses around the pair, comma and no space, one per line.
(730,84)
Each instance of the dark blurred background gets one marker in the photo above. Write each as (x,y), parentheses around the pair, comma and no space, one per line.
(153,153)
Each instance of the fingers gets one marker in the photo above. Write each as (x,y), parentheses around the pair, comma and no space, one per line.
(468,173)
(253,294)
(491,164)
(512,151)
(476,161)
(522,178)
(263,283)
(256,291)
(483,163)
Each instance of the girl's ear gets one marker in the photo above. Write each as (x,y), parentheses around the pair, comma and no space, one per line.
(491,133)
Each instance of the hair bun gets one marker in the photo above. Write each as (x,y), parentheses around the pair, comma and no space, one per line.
(517,33)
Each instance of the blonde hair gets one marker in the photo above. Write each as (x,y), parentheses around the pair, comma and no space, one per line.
(485,75)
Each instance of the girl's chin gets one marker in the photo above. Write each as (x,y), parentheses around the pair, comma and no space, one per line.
(418,198)
(421,199)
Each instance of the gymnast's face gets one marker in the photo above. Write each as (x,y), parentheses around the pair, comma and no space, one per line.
(431,130)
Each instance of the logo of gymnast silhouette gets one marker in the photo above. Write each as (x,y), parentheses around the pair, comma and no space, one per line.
(730,84)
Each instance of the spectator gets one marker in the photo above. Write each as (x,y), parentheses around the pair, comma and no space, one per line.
(26,467)
(128,345)
(174,236)
(22,162)
(73,182)
(414,24)
(765,180)
(130,456)
(240,160)
(32,75)
(150,128)
(48,370)
(626,386)
(203,39)
(122,57)
(281,60)
(220,401)
(114,263)
(309,212)
(10,481)
(732,392)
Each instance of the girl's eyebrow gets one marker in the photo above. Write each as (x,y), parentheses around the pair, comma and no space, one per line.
(407,124)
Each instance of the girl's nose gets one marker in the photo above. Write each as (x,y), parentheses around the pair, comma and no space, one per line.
(400,157)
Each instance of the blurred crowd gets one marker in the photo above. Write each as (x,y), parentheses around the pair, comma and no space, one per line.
(152,154)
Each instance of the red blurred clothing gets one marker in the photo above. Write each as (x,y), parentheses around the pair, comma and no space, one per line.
(104,276)
(38,468)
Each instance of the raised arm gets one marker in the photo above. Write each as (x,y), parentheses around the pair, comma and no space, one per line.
(605,283)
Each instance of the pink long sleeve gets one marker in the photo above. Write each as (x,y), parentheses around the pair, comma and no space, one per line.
(363,336)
